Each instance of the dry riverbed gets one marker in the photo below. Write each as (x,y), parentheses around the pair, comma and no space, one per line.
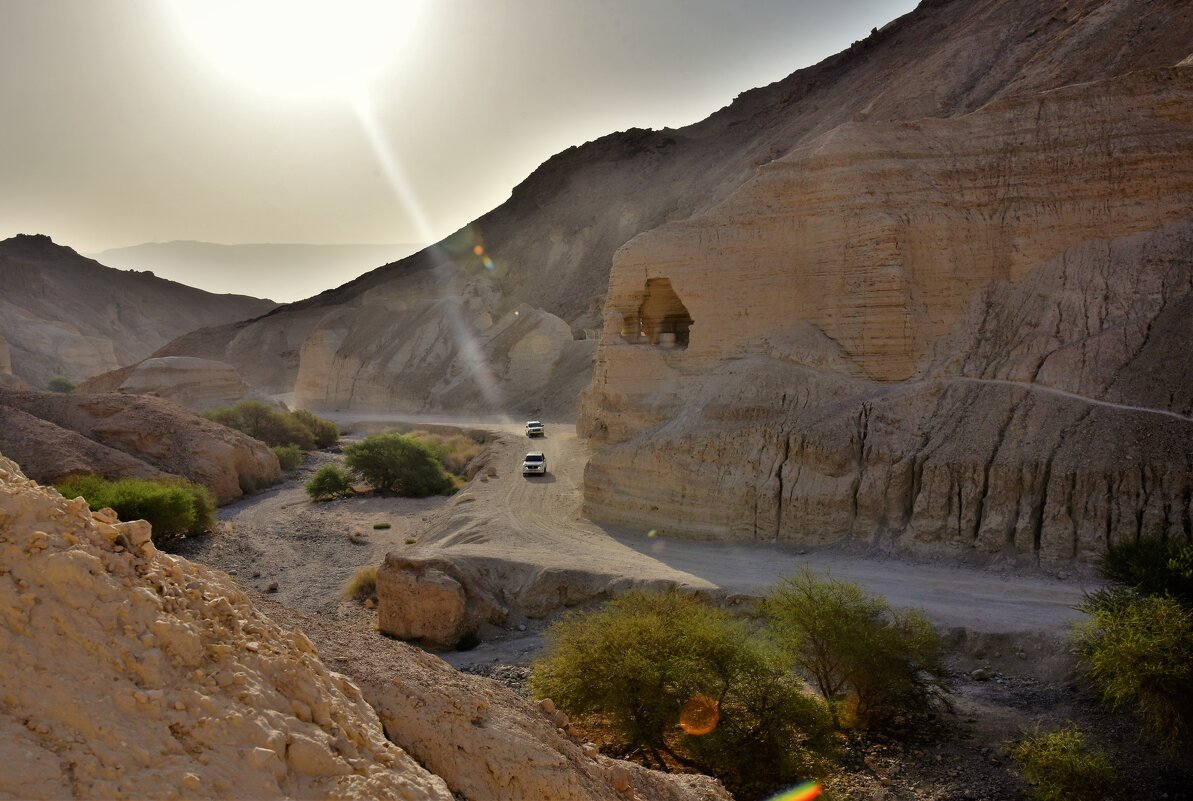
(296,557)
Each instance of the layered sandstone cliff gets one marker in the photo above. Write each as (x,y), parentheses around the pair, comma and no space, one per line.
(955,334)
(67,316)
(53,435)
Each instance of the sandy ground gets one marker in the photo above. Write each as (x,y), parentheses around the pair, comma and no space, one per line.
(537,521)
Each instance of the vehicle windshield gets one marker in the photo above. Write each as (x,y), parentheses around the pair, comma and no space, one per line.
(533,423)
(534,458)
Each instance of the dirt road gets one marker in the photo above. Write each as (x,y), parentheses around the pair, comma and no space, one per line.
(527,536)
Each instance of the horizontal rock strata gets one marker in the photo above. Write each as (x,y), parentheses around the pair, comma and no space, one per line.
(954,334)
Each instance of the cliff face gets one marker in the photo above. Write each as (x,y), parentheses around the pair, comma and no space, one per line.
(959,333)
(372,343)
(67,316)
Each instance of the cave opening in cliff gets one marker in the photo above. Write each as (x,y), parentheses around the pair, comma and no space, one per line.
(663,320)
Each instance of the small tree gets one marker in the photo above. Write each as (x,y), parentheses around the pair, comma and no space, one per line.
(330,481)
(394,464)
(324,432)
(60,384)
(1060,767)
(173,507)
(675,676)
(1138,649)
(856,649)
(289,456)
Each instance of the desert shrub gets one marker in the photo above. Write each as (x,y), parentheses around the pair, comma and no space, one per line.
(1060,767)
(275,426)
(1138,650)
(289,456)
(173,507)
(1151,566)
(362,585)
(869,661)
(454,452)
(397,464)
(677,678)
(379,526)
(325,432)
(61,385)
(329,481)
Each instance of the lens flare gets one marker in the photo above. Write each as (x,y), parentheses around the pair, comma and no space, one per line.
(699,715)
(804,792)
(478,250)
(468,350)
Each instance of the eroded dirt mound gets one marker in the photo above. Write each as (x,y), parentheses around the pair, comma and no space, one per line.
(53,435)
(128,673)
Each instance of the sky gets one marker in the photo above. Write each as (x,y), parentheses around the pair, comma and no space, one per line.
(353,121)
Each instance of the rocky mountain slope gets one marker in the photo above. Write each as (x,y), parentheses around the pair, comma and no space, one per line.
(254,269)
(960,333)
(501,316)
(129,673)
(63,315)
(53,435)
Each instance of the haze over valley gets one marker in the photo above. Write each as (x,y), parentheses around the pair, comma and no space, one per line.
(862,455)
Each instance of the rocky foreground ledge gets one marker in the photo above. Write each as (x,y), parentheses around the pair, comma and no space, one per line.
(129,673)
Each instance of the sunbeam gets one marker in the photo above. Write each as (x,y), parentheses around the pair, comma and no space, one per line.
(467,346)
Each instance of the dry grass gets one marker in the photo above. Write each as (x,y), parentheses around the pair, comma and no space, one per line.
(362,585)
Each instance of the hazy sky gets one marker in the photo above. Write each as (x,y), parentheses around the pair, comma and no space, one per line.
(128,121)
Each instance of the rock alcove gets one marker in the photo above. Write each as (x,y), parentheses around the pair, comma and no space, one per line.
(661,318)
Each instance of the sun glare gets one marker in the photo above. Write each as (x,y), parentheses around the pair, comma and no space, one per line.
(298,47)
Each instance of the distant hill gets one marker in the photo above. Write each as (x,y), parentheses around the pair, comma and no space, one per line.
(281,272)
(64,315)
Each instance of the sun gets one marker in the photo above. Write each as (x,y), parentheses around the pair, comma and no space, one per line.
(297,47)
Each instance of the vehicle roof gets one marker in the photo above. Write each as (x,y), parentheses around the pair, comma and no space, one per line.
(533,423)
(536,453)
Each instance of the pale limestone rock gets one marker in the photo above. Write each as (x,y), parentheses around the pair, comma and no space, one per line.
(198,384)
(419,602)
(109,666)
(925,334)
(487,742)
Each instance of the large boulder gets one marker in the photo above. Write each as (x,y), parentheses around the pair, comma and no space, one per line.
(429,600)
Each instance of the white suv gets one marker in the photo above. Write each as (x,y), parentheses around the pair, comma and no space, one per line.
(535,464)
(535,429)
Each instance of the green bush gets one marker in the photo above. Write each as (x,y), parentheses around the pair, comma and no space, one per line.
(644,660)
(174,507)
(275,426)
(454,452)
(324,432)
(1138,649)
(61,385)
(1151,566)
(1060,767)
(869,661)
(289,456)
(397,464)
(329,481)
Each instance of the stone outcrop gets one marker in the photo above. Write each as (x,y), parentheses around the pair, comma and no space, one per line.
(487,742)
(128,673)
(67,316)
(53,435)
(198,384)
(960,334)
(431,601)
